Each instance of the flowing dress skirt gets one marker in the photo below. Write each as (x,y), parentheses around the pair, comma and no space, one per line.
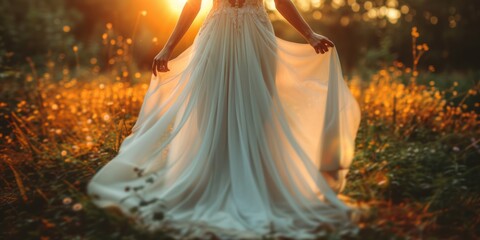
(247,134)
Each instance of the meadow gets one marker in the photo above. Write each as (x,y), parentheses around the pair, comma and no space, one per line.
(417,161)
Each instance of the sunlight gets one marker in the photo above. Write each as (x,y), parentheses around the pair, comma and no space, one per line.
(176,6)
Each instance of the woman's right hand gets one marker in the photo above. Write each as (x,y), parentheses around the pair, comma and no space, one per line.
(160,61)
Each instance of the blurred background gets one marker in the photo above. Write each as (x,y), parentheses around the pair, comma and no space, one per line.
(367,32)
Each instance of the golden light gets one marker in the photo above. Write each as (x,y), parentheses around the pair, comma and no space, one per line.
(66,28)
(176,6)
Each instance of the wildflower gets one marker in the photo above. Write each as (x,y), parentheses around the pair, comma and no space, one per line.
(415,33)
(66,28)
(425,47)
(77,207)
(106,117)
(64,153)
(67,201)
(456,149)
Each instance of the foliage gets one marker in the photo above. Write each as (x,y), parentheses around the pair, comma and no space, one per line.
(418,150)
(35,28)
(32,28)
(416,164)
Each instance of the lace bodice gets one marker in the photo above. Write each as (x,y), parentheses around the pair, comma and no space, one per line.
(236,3)
(237,11)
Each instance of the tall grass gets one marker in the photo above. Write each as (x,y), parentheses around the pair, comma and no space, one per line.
(416,162)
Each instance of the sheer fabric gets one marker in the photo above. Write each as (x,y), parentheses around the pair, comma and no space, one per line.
(235,138)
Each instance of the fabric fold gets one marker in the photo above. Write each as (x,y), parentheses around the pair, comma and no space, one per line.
(246,134)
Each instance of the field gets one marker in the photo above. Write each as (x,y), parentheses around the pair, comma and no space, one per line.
(417,163)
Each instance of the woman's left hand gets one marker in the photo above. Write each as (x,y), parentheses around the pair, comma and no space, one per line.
(320,43)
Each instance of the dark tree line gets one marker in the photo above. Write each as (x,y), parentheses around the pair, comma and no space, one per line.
(35,28)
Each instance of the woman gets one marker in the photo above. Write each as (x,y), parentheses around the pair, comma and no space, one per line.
(242,135)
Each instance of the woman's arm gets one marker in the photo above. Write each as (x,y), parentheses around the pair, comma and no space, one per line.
(291,14)
(189,12)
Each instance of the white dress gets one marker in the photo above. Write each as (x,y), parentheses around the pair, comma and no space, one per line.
(234,139)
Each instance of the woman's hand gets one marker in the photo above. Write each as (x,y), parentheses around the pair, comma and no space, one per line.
(160,61)
(320,43)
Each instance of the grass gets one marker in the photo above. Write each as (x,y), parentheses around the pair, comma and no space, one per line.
(417,161)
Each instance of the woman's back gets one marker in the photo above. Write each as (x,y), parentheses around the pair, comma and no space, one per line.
(237,10)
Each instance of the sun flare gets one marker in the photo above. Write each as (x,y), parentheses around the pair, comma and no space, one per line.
(176,6)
